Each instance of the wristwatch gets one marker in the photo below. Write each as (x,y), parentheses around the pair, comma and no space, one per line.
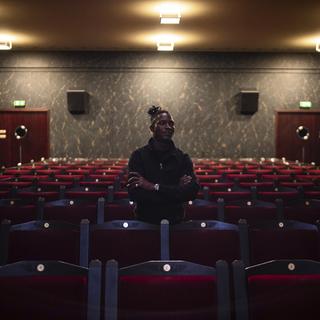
(156,187)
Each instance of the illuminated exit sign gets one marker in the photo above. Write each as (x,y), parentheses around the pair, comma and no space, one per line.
(305,104)
(19,103)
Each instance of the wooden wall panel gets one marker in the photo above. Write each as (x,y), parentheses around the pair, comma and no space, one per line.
(36,143)
(288,144)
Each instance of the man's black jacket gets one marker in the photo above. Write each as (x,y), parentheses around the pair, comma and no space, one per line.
(166,169)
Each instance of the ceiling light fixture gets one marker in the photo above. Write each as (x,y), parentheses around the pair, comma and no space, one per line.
(165,42)
(5,42)
(170,14)
(165,45)
(5,45)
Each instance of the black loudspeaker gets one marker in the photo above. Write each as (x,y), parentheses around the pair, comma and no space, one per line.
(249,101)
(78,101)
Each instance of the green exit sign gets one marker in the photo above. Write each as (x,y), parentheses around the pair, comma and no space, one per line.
(305,104)
(19,103)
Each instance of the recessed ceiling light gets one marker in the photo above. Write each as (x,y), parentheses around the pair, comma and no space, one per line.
(165,42)
(165,46)
(170,18)
(170,14)
(5,45)
(5,42)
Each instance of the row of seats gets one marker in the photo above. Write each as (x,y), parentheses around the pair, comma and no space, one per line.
(263,180)
(227,193)
(131,242)
(118,208)
(169,288)
(286,289)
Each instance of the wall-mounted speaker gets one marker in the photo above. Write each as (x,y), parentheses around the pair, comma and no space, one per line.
(249,101)
(78,101)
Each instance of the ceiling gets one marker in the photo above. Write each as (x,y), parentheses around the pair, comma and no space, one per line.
(132,25)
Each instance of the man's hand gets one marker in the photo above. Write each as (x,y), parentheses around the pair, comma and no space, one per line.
(136,180)
(184,180)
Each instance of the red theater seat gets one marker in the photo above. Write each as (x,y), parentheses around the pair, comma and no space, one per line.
(82,192)
(74,210)
(286,194)
(50,290)
(167,290)
(204,242)
(19,211)
(305,210)
(251,210)
(17,172)
(42,240)
(129,242)
(277,290)
(287,239)
(200,209)
(120,209)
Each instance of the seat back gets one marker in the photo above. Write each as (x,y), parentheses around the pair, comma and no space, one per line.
(50,290)
(167,290)
(287,239)
(127,241)
(200,209)
(284,289)
(19,211)
(121,209)
(43,240)
(74,210)
(253,210)
(204,242)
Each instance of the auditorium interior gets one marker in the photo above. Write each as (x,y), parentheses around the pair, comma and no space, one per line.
(240,79)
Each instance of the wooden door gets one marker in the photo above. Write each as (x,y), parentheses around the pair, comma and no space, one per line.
(288,143)
(36,142)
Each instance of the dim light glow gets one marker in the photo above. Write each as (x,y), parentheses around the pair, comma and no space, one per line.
(18,39)
(151,37)
(311,41)
(152,8)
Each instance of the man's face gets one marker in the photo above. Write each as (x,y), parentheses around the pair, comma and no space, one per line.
(163,128)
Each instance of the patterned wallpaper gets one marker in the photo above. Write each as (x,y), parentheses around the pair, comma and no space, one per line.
(199,89)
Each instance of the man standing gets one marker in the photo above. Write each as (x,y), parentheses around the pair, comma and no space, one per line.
(161,176)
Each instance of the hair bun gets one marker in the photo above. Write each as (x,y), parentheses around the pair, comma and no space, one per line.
(153,111)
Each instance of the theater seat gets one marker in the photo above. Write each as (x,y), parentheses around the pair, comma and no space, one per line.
(127,241)
(251,210)
(43,240)
(50,290)
(120,209)
(272,240)
(19,210)
(204,242)
(167,290)
(277,290)
(74,210)
(200,209)
(305,210)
